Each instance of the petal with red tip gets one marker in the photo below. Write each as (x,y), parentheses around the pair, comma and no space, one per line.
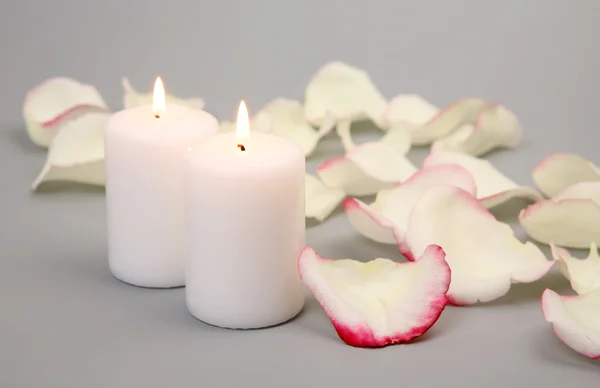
(484,255)
(380,302)
(584,274)
(560,170)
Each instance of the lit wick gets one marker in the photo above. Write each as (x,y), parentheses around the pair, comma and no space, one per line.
(158,102)
(157,116)
(241,147)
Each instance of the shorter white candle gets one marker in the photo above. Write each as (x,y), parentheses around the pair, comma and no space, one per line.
(145,150)
(246,228)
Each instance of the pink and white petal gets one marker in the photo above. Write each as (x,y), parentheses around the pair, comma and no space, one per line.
(366,169)
(344,92)
(51,104)
(448,120)
(560,170)
(133,98)
(380,302)
(493,187)
(484,255)
(584,274)
(409,109)
(496,127)
(320,200)
(575,320)
(386,219)
(77,152)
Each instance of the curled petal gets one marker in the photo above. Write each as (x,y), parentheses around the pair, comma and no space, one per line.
(344,92)
(484,255)
(397,137)
(386,219)
(493,187)
(558,171)
(286,118)
(575,320)
(54,102)
(411,110)
(584,275)
(570,219)
(366,169)
(381,302)
(496,127)
(320,200)
(134,98)
(77,152)
(448,120)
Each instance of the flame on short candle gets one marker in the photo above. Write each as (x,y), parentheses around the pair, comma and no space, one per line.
(159,105)
(242,131)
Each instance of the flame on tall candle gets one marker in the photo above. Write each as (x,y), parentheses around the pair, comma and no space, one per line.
(159,105)
(242,131)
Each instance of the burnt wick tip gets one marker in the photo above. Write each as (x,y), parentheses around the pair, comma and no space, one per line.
(157,116)
(241,147)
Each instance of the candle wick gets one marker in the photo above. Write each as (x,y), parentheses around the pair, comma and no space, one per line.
(241,147)
(157,116)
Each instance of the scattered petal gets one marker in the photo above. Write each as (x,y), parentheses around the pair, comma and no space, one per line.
(346,93)
(134,98)
(570,219)
(286,118)
(575,320)
(366,169)
(397,137)
(386,219)
(381,302)
(77,152)
(54,102)
(493,187)
(584,275)
(448,120)
(320,200)
(410,109)
(496,127)
(484,255)
(558,171)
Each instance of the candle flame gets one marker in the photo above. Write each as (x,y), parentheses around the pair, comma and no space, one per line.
(159,105)
(242,131)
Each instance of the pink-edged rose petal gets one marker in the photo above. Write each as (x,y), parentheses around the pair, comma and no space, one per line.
(493,187)
(320,200)
(570,219)
(386,219)
(448,120)
(51,104)
(575,320)
(343,92)
(584,274)
(484,255)
(366,169)
(380,302)
(133,98)
(495,127)
(409,110)
(77,152)
(561,170)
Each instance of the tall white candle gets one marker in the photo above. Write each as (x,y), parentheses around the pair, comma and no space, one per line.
(246,228)
(145,163)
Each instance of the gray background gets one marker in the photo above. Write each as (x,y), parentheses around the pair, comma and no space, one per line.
(65,322)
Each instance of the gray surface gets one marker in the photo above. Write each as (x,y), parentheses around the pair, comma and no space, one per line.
(66,322)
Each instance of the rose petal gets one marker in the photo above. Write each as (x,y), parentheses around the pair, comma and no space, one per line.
(346,93)
(493,187)
(134,98)
(77,152)
(570,219)
(320,200)
(575,320)
(496,127)
(366,169)
(386,219)
(410,109)
(448,120)
(381,302)
(559,171)
(584,275)
(484,255)
(287,119)
(397,137)
(53,103)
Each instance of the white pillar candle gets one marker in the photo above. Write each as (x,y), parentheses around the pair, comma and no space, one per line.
(145,161)
(246,229)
